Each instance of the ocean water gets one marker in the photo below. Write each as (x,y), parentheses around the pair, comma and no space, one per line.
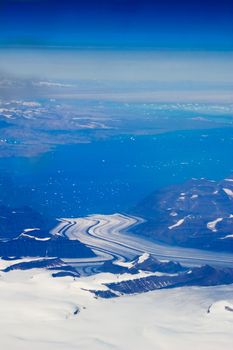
(112,175)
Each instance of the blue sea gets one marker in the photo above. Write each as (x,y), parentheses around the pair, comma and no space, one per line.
(113,174)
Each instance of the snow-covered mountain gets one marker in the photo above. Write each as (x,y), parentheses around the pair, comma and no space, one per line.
(25,232)
(144,262)
(197,213)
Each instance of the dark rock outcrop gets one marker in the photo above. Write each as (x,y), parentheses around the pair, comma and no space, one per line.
(199,276)
(55,246)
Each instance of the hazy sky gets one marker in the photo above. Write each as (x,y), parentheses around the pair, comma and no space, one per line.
(128,65)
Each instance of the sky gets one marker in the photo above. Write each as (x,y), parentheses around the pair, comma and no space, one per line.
(181,44)
(168,24)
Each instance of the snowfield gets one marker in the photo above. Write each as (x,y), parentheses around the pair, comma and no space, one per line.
(41,312)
